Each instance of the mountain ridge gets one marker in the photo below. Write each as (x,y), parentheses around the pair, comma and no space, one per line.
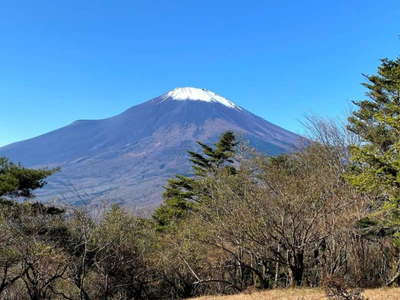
(128,157)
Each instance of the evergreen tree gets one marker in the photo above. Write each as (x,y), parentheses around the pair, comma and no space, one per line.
(19,182)
(376,162)
(214,158)
(181,193)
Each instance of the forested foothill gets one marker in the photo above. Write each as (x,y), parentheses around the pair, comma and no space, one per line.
(327,215)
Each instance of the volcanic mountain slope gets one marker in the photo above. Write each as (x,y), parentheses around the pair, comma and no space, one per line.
(127,158)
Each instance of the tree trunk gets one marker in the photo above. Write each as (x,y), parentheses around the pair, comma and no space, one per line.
(297,269)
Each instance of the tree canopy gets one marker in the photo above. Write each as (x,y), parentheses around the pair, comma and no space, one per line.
(376,162)
(181,195)
(17,181)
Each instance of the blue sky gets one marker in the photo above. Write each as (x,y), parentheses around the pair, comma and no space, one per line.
(282,59)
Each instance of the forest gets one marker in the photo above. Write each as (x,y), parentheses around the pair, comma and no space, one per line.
(326,215)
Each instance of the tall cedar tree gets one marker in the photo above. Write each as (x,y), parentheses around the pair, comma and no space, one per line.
(376,162)
(180,195)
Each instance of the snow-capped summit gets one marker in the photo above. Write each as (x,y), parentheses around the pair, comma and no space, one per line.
(127,158)
(196,94)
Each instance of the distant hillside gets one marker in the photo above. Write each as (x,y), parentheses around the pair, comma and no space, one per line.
(127,158)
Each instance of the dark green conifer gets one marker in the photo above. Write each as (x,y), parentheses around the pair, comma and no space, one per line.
(181,194)
(19,182)
(376,162)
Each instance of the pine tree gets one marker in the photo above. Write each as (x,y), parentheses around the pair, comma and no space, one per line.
(376,162)
(181,193)
(214,159)
(19,182)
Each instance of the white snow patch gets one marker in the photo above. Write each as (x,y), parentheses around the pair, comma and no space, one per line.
(196,94)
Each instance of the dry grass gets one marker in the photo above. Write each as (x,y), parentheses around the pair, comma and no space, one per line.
(305,294)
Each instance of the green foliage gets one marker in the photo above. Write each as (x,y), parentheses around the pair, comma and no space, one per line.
(182,193)
(213,159)
(258,223)
(376,162)
(17,181)
(172,209)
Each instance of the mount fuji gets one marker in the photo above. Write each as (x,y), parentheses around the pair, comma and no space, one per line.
(127,158)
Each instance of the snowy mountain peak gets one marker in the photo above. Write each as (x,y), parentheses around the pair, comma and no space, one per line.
(196,94)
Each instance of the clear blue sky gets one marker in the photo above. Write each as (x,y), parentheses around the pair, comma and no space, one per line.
(281,59)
